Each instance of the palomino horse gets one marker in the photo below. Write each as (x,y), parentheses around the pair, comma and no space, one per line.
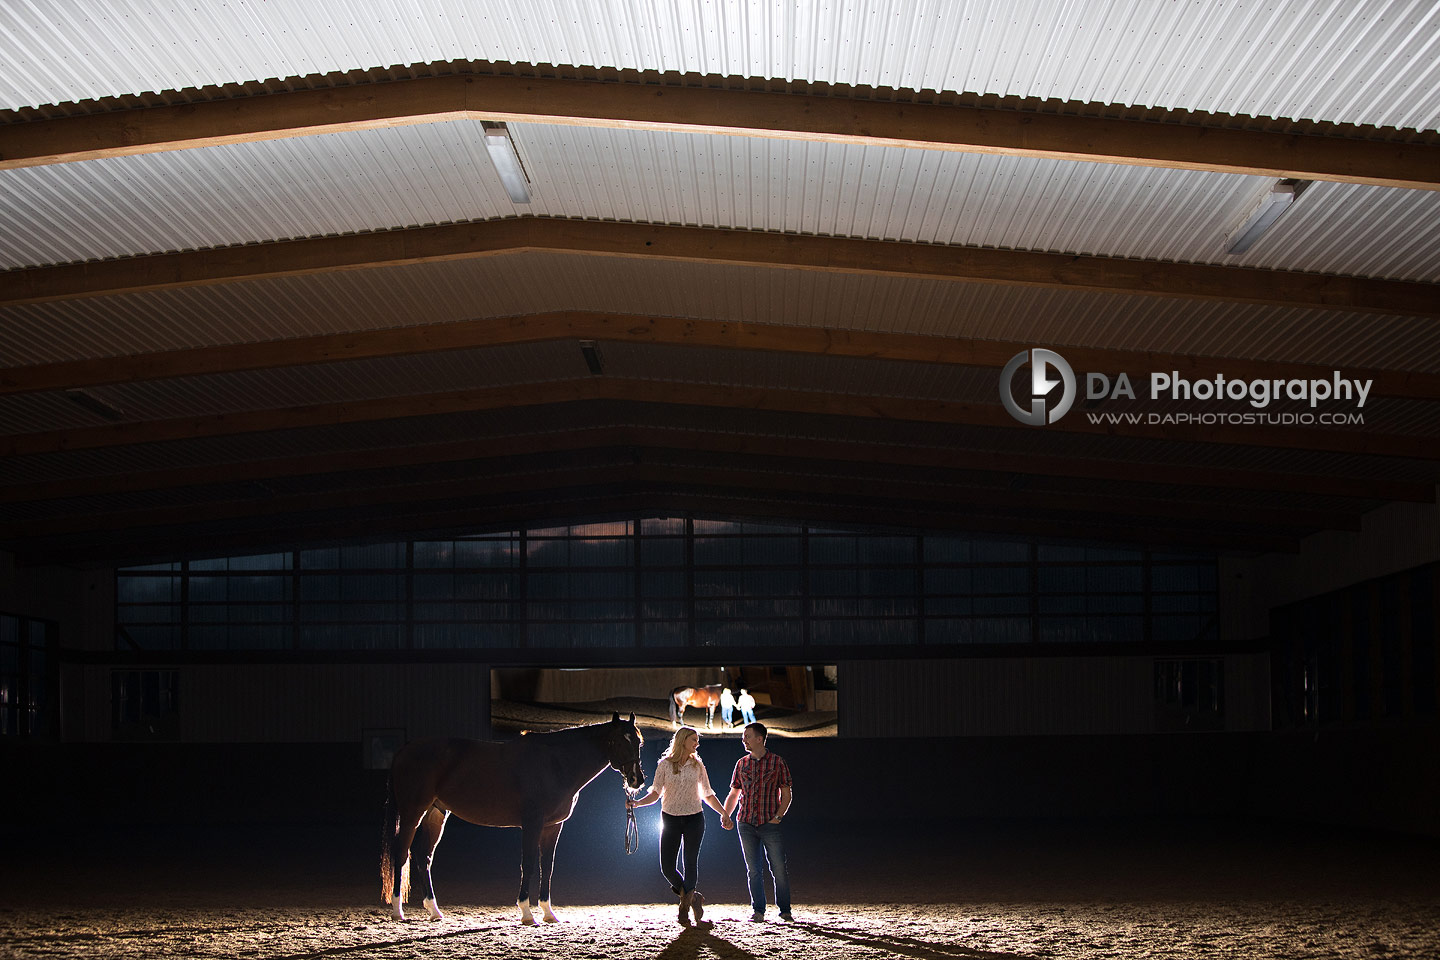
(531,783)
(707,697)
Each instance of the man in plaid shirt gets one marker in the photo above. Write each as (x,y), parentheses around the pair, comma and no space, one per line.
(761,787)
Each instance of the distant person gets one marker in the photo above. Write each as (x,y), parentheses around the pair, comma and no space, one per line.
(746,703)
(682,786)
(761,788)
(727,707)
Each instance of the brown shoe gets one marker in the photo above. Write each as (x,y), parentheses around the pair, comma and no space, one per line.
(698,906)
(685,909)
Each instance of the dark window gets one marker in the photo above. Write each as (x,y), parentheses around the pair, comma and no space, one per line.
(664,582)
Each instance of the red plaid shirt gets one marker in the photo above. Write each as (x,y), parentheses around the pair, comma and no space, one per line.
(759,783)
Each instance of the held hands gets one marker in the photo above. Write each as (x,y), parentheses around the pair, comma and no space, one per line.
(727,822)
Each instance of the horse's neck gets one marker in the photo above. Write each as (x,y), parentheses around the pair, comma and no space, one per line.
(584,748)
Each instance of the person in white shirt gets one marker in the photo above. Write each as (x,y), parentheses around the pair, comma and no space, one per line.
(727,707)
(746,704)
(683,788)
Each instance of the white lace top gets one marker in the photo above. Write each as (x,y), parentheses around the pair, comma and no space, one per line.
(683,793)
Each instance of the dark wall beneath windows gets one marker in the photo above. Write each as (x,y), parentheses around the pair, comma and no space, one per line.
(1374,779)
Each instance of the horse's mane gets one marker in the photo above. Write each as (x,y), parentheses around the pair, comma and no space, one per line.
(580,727)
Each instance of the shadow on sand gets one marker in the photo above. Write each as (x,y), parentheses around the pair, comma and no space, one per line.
(702,939)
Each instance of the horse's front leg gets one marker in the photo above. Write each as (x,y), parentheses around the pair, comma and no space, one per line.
(548,838)
(529,856)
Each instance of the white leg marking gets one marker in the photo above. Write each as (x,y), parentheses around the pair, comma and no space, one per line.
(397,910)
(526,917)
(433,909)
(548,914)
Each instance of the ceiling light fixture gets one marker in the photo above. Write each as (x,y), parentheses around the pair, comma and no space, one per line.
(593,360)
(97,405)
(507,162)
(1263,216)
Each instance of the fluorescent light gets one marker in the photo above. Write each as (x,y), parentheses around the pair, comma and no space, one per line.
(1264,214)
(507,162)
(95,404)
(592,356)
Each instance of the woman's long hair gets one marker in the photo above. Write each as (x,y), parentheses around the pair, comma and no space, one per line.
(674,742)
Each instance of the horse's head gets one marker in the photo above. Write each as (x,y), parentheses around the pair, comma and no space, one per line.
(622,749)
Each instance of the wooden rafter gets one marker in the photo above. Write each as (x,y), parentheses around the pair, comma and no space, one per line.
(667,331)
(703,245)
(925,410)
(649,106)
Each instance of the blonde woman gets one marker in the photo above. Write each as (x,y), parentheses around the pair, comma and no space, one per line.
(683,789)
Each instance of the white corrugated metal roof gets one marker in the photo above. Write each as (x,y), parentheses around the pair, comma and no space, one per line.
(418,175)
(1351,61)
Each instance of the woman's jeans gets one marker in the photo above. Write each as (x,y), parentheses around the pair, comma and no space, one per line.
(673,830)
(765,841)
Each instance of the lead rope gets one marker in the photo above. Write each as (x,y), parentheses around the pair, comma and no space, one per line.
(632,829)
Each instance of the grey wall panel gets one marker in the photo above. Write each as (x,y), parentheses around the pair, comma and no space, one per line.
(1020,697)
(321,703)
(1247,692)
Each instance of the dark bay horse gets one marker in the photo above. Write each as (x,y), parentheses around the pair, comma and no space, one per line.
(707,697)
(531,783)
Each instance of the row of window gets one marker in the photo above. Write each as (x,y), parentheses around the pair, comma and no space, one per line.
(596,586)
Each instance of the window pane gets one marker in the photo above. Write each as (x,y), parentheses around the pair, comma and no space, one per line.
(662,552)
(129,589)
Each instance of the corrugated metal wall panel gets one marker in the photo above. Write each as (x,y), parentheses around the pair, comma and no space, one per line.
(993,697)
(1331,60)
(318,703)
(1247,686)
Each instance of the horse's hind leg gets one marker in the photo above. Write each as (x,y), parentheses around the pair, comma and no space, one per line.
(529,854)
(410,817)
(548,838)
(431,828)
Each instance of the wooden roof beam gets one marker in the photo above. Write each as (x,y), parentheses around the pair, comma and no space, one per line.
(666,331)
(746,113)
(924,410)
(837,255)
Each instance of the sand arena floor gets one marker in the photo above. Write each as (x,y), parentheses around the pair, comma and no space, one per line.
(982,892)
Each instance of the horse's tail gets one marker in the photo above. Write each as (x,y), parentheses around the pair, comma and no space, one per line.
(389,832)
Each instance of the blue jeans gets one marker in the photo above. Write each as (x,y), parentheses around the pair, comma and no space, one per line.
(765,842)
